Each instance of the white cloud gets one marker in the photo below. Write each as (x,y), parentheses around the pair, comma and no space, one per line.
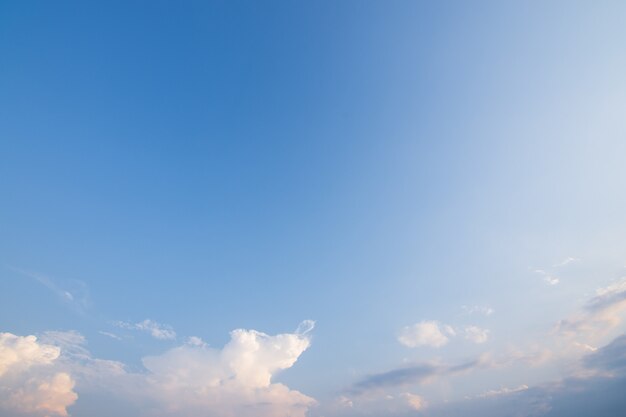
(111,335)
(44,396)
(191,380)
(23,352)
(476,334)
(414,401)
(29,383)
(155,329)
(503,391)
(547,277)
(195,380)
(424,333)
(377,403)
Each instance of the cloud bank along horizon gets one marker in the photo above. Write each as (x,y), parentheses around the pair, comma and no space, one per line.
(437,185)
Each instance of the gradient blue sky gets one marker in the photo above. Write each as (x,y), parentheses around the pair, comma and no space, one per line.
(430,182)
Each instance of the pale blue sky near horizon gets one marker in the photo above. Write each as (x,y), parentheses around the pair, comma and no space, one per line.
(367,165)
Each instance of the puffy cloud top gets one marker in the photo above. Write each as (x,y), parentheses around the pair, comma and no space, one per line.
(29,386)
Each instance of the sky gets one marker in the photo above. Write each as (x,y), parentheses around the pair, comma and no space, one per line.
(312,208)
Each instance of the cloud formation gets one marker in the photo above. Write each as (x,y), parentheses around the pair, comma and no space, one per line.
(155,329)
(196,380)
(476,334)
(192,380)
(602,313)
(29,383)
(416,374)
(434,334)
(425,333)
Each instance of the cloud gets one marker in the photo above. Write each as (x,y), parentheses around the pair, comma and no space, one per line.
(378,404)
(416,374)
(484,310)
(503,391)
(476,334)
(435,334)
(109,334)
(74,293)
(602,313)
(191,380)
(425,333)
(548,278)
(155,329)
(29,383)
(611,357)
(21,353)
(565,262)
(600,394)
(196,380)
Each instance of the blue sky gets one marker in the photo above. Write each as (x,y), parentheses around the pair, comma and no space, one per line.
(438,186)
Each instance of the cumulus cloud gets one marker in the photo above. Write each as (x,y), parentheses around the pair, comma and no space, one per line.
(17,352)
(155,329)
(196,380)
(191,380)
(425,333)
(476,334)
(29,383)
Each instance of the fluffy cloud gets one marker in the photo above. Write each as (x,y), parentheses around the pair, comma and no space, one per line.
(476,334)
(29,383)
(24,352)
(37,377)
(435,334)
(425,333)
(195,380)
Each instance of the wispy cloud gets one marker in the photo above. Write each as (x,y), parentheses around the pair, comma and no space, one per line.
(109,334)
(415,375)
(75,293)
(484,310)
(155,329)
(548,278)
(565,262)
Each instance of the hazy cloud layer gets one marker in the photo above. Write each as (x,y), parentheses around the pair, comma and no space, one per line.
(602,313)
